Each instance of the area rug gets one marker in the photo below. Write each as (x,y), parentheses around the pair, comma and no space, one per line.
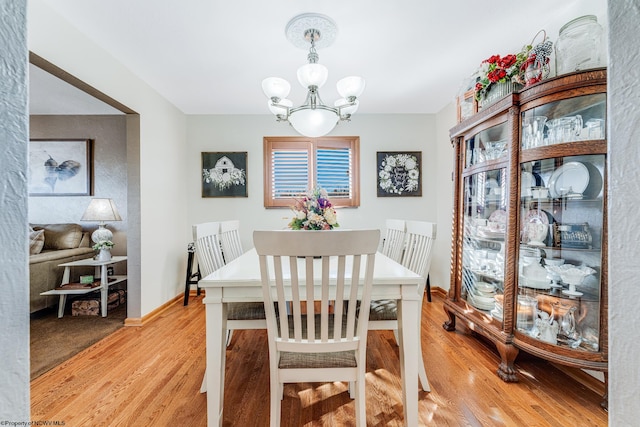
(55,340)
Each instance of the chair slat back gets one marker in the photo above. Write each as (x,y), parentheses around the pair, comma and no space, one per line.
(394,239)
(419,248)
(207,241)
(230,239)
(316,312)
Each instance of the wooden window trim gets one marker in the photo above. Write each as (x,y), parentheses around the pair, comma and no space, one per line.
(310,144)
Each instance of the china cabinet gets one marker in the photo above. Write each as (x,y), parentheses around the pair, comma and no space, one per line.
(529,250)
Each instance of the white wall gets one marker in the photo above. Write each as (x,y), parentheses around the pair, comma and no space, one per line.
(14,253)
(398,132)
(624,202)
(445,120)
(162,216)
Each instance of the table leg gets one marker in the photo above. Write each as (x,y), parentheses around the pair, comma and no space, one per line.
(409,336)
(216,325)
(61,304)
(104,289)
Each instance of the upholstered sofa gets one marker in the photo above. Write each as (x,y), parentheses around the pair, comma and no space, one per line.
(49,246)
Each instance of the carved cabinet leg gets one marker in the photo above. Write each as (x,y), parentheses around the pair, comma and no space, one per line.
(506,370)
(449,325)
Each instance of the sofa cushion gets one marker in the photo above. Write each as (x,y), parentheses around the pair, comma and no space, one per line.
(36,241)
(61,236)
(58,257)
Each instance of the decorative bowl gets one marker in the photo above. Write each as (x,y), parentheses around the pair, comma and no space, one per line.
(571,274)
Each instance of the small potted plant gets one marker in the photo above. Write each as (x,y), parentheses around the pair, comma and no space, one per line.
(104,246)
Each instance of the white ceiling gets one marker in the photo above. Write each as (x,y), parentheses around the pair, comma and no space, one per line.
(210,56)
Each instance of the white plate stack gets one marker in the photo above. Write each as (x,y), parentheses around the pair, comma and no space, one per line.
(481,295)
(498,310)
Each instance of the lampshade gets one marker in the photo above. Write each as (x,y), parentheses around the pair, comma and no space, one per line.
(101,210)
(312,75)
(275,87)
(314,123)
(351,86)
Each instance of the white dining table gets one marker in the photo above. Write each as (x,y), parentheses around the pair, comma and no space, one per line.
(239,281)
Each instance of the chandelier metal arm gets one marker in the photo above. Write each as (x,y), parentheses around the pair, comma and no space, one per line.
(308,106)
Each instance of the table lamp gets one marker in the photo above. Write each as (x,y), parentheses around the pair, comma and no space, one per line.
(101,210)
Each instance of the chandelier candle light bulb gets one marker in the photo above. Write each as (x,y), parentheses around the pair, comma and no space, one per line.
(313,118)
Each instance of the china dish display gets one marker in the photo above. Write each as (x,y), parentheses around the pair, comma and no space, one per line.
(569,179)
(495,227)
(528,181)
(529,265)
(499,216)
(533,274)
(498,310)
(553,276)
(535,227)
(572,275)
(493,189)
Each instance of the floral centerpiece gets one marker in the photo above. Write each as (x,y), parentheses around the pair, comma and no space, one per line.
(497,69)
(314,212)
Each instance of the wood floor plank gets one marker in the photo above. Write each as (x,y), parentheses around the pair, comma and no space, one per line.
(151,375)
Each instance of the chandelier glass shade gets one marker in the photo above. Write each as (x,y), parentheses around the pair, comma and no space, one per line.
(313,118)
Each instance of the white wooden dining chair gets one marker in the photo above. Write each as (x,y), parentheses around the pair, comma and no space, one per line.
(230,240)
(240,315)
(393,243)
(314,332)
(418,250)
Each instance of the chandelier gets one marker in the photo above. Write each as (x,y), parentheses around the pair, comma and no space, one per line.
(313,118)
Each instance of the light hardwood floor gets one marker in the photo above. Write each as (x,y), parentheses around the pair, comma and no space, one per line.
(151,375)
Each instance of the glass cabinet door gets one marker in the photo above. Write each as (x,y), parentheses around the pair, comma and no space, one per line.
(483,251)
(560,256)
(580,118)
(488,145)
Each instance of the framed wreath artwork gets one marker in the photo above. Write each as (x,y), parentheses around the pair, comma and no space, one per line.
(399,173)
(224,174)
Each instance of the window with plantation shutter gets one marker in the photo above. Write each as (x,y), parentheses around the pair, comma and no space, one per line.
(290,174)
(292,165)
(333,167)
